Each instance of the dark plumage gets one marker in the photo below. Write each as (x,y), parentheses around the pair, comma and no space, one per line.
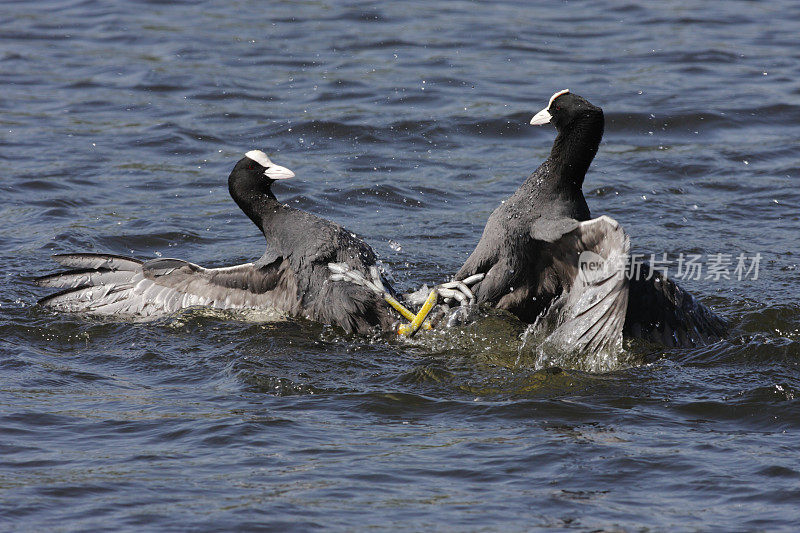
(291,277)
(531,243)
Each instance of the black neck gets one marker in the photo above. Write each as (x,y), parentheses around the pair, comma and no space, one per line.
(575,148)
(254,196)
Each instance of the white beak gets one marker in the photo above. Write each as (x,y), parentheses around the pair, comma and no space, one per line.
(276,172)
(542,117)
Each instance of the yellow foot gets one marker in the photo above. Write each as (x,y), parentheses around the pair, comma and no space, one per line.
(418,319)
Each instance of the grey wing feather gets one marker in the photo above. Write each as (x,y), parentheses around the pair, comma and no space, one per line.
(660,310)
(551,230)
(84,277)
(269,257)
(588,317)
(89,260)
(113,285)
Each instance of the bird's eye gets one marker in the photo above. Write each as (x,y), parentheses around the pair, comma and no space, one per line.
(251,166)
(558,108)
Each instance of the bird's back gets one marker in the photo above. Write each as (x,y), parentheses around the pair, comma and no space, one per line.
(309,243)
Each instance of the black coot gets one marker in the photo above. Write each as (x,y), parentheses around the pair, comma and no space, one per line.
(292,276)
(534,243)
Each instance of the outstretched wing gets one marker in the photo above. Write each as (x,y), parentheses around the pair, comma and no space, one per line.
(103,284)
(590,261)
(660,310)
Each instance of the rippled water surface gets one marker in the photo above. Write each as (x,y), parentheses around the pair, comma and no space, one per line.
(407,123)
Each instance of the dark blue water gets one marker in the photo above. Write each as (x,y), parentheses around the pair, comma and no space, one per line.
(407,123)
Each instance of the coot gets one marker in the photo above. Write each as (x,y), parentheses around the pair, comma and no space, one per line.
(291,276)
(532,245)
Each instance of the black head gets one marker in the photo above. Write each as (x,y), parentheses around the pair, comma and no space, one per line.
(256,167)
(250,184)
(565,109)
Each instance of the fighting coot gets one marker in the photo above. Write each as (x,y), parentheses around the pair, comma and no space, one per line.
(532,247)
(291,276)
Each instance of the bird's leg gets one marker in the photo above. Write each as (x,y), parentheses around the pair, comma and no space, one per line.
(411,329)
(458,290)
(342,272)
(452,290)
